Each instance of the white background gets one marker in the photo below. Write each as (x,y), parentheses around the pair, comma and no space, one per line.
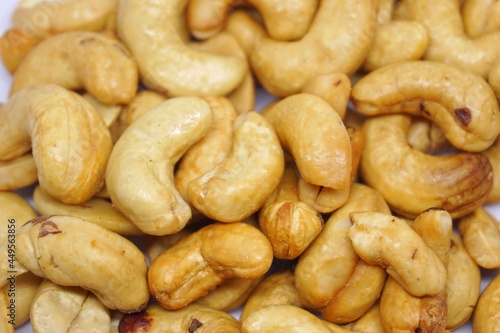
(6,8)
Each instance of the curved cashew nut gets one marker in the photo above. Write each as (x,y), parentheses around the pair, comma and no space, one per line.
(237,187)
(461,103)
(37,118)
(81,60)
(45,18)
(486,315)
(337,42)
(167,64)
(199,262)
(411,181)
(140,173)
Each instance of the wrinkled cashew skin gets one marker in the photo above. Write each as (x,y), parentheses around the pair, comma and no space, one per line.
(426,89)
(88,249)
(140,173)
(81,60)
(166,63)
(337,42)
(487,313)
(314,134)
(256,157)
(68,138)
(201,261)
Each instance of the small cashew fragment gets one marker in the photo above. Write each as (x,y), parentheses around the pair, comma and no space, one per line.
(140,173)
(91,61)
(66,135)
(45,18)
(14,45)
(21,294)
(201,261)
(412,181)
(96,210)
(487,313)
(337,42)
(480,17)
(109,113)
(481,237)
(67,309)
(460,102)
(427,137)
(190,319)
(88,249)
(410,261)
(238,186)
(167,64)
(289,224)
(18,172)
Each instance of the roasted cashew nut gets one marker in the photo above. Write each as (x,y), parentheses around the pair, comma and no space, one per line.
(140,173)
(68,139)
(487,313)
(167,64)
(412,181)
(493,154)
(461,103)
(81,60)
(14,45)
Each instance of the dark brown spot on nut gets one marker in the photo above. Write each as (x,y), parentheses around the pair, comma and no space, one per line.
(414,253)
(336,84)
(195,324)
(85,206)
(87,40)
(423,109)
(463,115)
(38,219)
(48,228)
(135,322)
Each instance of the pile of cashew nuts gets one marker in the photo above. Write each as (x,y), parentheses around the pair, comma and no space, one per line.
(357,200)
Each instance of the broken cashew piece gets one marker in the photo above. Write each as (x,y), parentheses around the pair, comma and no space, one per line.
(89,249)
(68,139)
(140,173)
(467,114)
(238,186)
(167,64)
(81,60)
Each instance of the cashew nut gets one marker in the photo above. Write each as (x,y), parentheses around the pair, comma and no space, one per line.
(247,31)
(14,45)
(66,135)
(411,181)
(427,137)
(15,209)
(480,17)
(81,60)
(85,261)
(201,261)
(493,154)
(18,173)
(140,173)
(369,322)
(256,157)
(487,313)
(167,64)
(109,113)
(22,296)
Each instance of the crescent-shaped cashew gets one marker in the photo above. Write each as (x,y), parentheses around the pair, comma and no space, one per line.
(37,118)
(140,173)
(238,186)
(461,103)
(412,181)
(337,42)
(88,249)
(167,64)
(45,18)
(81,60)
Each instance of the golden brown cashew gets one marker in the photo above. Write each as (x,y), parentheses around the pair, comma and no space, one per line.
(337,42)
(81,60)
(238,186)
(461,103)
(45,18)
(85,261)
(199,262)
(192,318)
(22,294)
(68,139)
(15,210)
(493,154)
(14,45)
(480,17)
(369,322)
(18,173)
(410,261)
(426,136)
(289,224)
(166,63)
(487,314)
(411,181)
(140,173)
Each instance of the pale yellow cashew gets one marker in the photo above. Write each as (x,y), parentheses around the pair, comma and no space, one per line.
(81,60)
(45,18)
(22,294)
(245,28)
(487,313)
(480,17)
(15,210)
(66,135)
(337,42)
(140,173)
(85,262)
(412,181)
(460,102)
(7,321)
(167,64)
(238,186)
